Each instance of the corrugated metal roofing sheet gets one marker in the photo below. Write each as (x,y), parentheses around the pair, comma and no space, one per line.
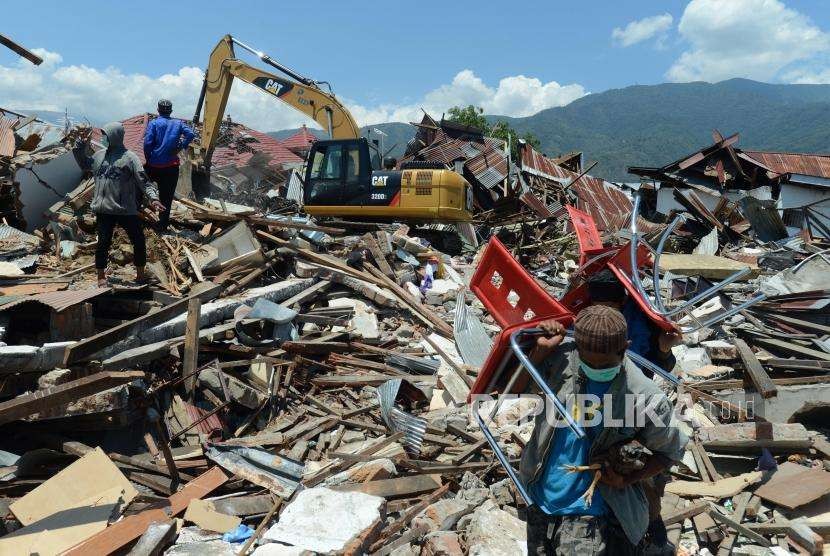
(56,300)
(794,163)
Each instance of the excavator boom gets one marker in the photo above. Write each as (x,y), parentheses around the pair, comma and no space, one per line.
(301,93)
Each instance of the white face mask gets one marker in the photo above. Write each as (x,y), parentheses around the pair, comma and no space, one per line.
(105,140)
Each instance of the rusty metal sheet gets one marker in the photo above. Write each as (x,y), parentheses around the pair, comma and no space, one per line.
(794,163)
(794,485)
(58,300)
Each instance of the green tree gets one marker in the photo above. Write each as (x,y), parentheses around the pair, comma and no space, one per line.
(473,116)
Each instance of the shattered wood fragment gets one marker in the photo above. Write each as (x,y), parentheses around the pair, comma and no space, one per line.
(43,400)
(404,520)
(757,375)
(740,504)
(379,257)
(120,534)
(734,525)
(191,346)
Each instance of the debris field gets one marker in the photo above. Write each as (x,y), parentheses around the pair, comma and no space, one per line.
(291,385)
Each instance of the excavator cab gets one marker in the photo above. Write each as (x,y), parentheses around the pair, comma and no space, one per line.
(341,180)
(338,172)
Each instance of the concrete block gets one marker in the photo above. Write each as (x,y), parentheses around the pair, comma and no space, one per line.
(720,350)
(495,532)
(441,291)
(442,543)
(690,358)
(330,522)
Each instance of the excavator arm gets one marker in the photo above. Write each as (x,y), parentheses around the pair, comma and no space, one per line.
(301,93)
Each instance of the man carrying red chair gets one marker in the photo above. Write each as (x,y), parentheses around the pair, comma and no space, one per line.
(572,514)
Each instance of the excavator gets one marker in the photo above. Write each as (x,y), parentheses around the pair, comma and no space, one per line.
(343,178)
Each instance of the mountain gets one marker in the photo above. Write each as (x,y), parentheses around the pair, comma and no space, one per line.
(397,135)
(652,125)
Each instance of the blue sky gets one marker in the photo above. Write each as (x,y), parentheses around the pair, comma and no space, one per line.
(108,60)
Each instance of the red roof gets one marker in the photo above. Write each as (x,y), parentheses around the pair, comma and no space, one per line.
(236,150)
(300,141)
(794,163)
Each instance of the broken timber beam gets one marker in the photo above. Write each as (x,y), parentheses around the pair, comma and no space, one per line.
(31,56)
(88,347)
(41,400)
(755,371)
(377,254)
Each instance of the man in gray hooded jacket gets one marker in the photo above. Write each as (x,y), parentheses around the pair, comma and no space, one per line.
(120,184)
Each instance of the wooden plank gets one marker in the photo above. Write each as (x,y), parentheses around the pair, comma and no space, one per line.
(725,488)
(716,385)
(88,347)
(191,346)
(707,462)
(194,265)
(396,487)
(755,371)
(41,400)
(31,56)
(790,347)
(749,437)
(122,533)
(380,259)
(708,532)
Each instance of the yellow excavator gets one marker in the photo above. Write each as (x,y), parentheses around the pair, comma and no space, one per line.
(343,178)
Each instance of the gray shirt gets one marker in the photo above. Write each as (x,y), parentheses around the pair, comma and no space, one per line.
(661,435)
(120,180)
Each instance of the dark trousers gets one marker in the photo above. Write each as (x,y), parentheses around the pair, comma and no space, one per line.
(166,178)
(576,535)
(106,227)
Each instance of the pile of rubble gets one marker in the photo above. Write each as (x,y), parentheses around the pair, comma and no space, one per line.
(286,386)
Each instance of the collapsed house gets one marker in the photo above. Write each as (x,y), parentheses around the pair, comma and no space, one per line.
(790,192)
(505,188)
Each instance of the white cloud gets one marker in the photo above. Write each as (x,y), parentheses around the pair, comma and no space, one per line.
(643,29)
(756,39)
(101,95)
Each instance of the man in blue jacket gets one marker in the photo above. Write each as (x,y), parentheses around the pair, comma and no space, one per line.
(163,139)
